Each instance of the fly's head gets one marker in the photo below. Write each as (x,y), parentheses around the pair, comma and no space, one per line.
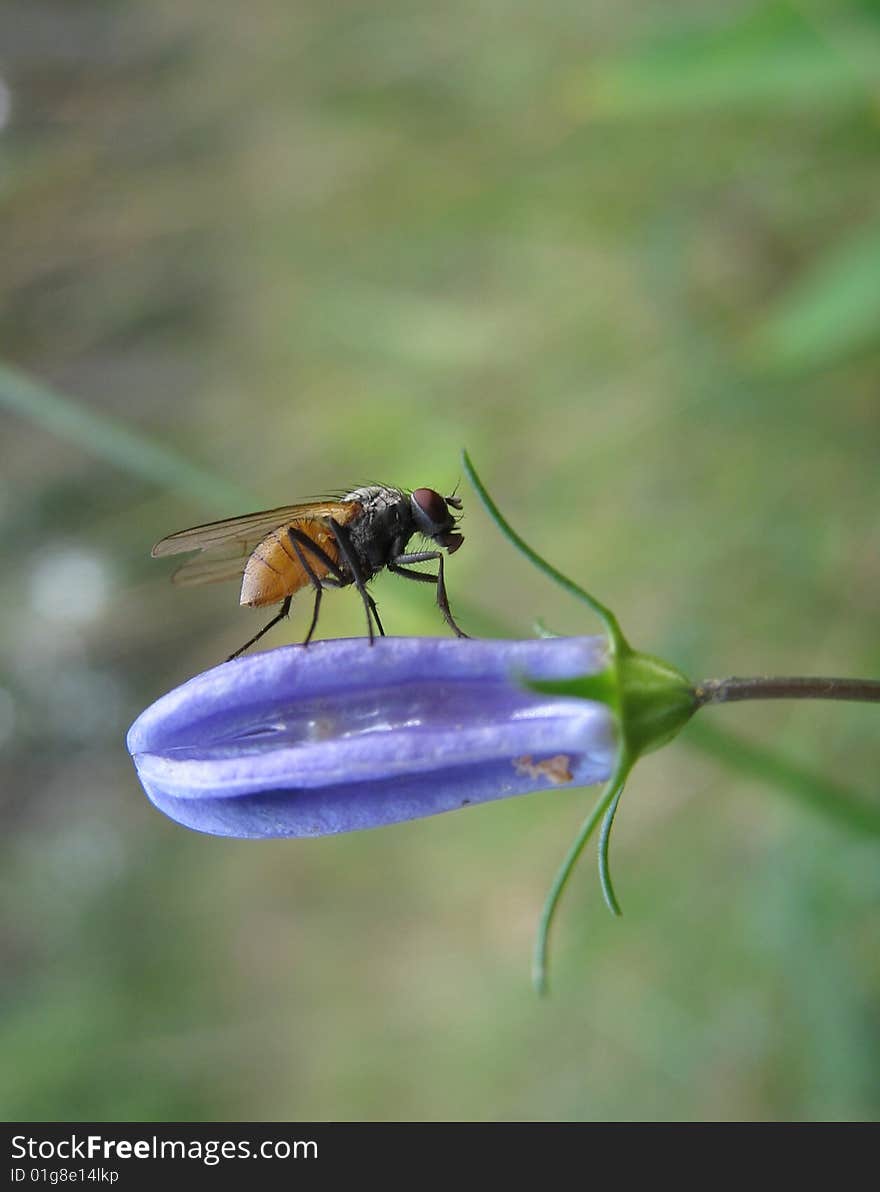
(434,518)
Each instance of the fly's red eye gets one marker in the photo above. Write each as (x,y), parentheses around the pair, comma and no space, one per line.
(432,505)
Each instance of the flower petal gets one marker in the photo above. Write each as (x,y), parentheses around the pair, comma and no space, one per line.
(343,736)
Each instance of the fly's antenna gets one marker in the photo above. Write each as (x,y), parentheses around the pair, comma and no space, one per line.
(452,500)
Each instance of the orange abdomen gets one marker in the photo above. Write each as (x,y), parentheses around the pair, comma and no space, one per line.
(273,571)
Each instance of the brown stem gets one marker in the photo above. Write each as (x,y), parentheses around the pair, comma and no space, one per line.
(721,691)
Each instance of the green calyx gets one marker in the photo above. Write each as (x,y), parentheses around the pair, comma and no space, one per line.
(651,702)
(656,701)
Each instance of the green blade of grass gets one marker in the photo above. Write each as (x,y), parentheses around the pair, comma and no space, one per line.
(113,442)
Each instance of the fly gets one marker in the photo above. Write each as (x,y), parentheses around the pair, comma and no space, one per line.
(335,543)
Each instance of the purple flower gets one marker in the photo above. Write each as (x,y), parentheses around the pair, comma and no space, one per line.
(343,736)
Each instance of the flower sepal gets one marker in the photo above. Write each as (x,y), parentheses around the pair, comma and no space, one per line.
(651,700)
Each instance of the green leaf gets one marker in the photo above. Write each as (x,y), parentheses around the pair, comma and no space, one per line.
(829,312)
(769,57)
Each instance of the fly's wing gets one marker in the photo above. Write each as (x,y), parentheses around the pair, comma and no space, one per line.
(226,546)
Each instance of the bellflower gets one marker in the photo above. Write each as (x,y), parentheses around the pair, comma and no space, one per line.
(342,736)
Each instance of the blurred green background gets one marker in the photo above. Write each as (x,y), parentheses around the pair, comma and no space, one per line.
(629,255)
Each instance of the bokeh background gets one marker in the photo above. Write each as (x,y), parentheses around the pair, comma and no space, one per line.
(629,255)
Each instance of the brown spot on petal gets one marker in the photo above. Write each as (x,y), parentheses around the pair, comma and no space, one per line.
(555,769)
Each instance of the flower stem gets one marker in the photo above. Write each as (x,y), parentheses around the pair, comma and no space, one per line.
(722,691)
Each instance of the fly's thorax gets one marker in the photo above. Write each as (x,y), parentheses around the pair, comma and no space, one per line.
(376,497)
(383,528)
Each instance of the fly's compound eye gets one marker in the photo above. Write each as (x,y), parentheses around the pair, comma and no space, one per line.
(432,507)
(433,517)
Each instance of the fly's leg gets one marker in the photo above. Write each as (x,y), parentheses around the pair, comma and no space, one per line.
(285,609)
(300,543)
(298,550)
(399,566)
(347,551)
(297,536)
